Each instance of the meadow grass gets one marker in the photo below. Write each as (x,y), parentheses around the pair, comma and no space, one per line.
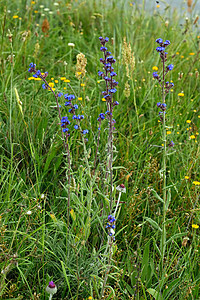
(38,244)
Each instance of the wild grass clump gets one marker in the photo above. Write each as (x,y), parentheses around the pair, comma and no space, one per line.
(99,191)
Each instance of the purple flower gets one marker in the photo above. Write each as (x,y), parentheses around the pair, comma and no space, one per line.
(103,49)
(59,94)
(170,67)
(113,74)
(171,144)
(85,131)
(100,73)
(160,49)
(155,75)
(159,41)
(76,126)
(167,42)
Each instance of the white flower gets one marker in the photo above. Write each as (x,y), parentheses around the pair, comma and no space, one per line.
(42,196)
(121,188)
(112,231)
(71,44)
(29,212)
(46,9)
(51,288)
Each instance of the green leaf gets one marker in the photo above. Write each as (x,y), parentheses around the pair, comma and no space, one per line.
(153,223)
(156,195)
(168,199)
(153,293)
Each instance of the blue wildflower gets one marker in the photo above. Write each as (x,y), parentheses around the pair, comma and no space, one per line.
(160,49)
(76,126)
(170,67)
(85,131)
(155,75)
(59,94)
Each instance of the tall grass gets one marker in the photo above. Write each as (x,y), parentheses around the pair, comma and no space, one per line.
(37,245)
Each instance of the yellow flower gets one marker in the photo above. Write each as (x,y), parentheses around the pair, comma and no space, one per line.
(177,53)
(62,78)
(90,298)
(178,132)
(51,84)
(36,11)
(52,78)
(194,110)
(80,98)
(98,81)
(191,53)
(169,132)
(181,94)
(188,121)
(187,177)
(37,79)
(155,68)
(32,2)
(56,81)
(196,182)
(192,137)
(158,6)
(15,17)
(31,78)
(103,99)
(65,88)
(182,56)
(67,80)
(195,226)
(82,84)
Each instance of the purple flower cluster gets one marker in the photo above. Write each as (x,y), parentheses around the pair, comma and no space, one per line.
(166,86)
(108,75)
(111,226)
(64,121)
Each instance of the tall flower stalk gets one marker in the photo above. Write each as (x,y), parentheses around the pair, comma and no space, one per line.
(165,88)
(64,122)
(108,75)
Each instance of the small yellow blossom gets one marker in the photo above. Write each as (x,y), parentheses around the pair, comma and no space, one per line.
(98,81)
(56,81)
(182,56)
(181,94)
(192,53)
(90,298)
(62,78)
(82,84)
(194,110)
(80,98)
(31,78)
(37,79)
(65,88)
(32,2)
(155,68)
(187,177)
(178,132)
(15,17)
(177,53)
(195,226)
(196,182)
(36,11)
(158,6)
(103,99)
(143,79)
(52,78)
(188,121)
(67,80)
(169,132)
(51,84)
(192,137)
